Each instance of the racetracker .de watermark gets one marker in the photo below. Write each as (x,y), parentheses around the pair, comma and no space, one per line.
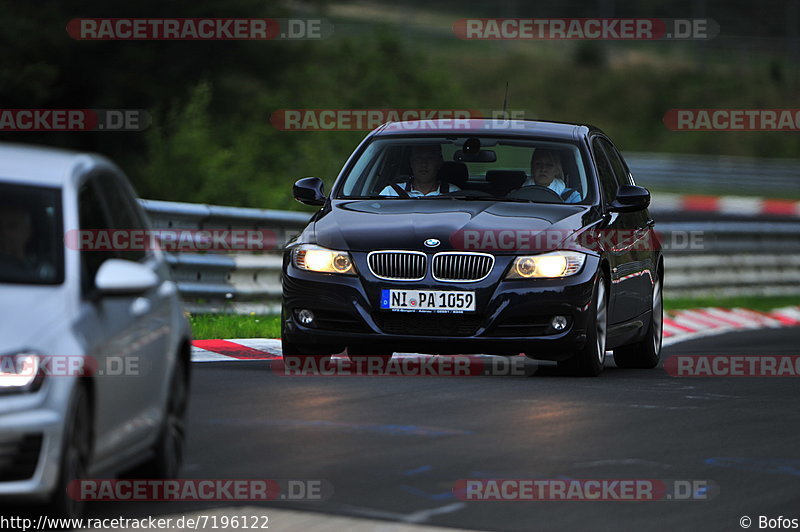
(604,29)
(733,366)
(732,119)
(403,366)
(173,240)
(212,489)
(584,489)
(404,119)
(198,29)
(74,120)
(528,240)
(26,366)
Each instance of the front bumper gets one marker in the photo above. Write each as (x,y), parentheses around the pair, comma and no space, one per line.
(512,316)
(31,431)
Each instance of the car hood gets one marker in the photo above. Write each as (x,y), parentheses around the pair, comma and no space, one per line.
(367,225)
(34,317)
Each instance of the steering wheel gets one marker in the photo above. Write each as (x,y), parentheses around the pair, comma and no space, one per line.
(537,193)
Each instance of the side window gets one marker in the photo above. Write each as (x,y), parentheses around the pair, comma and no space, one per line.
(91,218)
(620,170)
(608,182)
(123,215)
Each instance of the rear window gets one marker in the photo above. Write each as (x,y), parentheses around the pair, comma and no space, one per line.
(31,235)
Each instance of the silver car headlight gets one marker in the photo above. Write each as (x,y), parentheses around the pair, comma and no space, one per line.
(547,265)
(20,372)
(319,259)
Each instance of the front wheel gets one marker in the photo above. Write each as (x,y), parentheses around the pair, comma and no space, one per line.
(588,362)
(645,354)
(168,450)
(75,453)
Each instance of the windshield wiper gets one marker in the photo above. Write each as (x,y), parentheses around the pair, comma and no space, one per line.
(469,197)
(371,197)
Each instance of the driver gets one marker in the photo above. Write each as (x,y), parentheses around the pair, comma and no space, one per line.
(16,228)
(546,171)
(425,163)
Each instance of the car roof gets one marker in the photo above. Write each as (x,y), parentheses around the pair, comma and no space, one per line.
(487,126)
(44,166)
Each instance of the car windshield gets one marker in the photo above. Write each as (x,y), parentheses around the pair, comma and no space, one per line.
(31,235)
(480,168)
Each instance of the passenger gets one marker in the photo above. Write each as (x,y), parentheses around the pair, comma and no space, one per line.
(425,163)
(546,171)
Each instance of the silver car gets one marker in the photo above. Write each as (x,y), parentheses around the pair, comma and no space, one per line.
(94,346)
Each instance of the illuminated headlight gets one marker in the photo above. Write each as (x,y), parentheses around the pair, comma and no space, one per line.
(19,372)
(547,265)
(319,259)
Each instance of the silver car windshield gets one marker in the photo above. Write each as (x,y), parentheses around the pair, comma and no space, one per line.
(31,235)
(496,169)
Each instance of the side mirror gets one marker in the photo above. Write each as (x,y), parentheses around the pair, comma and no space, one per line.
(124,277)
(630,198)
(308,191)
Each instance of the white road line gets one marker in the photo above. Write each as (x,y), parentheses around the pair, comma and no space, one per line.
(420,516)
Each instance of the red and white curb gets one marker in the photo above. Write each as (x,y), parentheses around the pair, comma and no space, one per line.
(250,349)
(738,205)
(683,325)
(679,326)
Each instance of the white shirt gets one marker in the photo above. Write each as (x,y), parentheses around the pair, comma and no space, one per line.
(389,191)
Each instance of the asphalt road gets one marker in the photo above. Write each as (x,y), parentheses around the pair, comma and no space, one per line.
(392,447)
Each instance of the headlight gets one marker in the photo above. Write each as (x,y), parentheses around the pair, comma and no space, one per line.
(319,259)
(20,372)
(547,265)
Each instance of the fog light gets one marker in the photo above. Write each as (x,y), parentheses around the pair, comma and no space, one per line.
(559,323)
(305,317)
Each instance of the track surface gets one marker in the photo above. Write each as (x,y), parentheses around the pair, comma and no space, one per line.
(393,447)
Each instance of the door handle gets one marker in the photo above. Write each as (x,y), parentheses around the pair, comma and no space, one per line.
(651,223)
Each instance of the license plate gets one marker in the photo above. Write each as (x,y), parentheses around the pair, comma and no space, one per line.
(430,300)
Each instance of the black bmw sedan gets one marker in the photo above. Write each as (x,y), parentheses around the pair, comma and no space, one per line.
(478,236)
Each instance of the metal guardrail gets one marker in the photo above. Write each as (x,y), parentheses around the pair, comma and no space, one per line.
(728,238)
(748,175)
(218,282)
(732,275)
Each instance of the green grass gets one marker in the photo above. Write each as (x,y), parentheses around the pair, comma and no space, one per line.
(762,303)
(211,326)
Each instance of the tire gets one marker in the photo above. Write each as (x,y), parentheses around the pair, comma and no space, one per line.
(75,453)
(646,354)
(168,451)
(295,356)
(588,362)
(367,357)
